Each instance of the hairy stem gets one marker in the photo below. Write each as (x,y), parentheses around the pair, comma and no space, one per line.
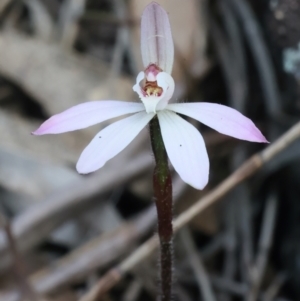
(162,186)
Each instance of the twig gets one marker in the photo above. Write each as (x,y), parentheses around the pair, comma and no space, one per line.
(261,55)
(18,267)
(238,64)
(58,86)
(31,227)
(265,242)
(148,279)
(41,19)
(274,287)
(234,69)
(216,244)
(182,294)
(247,169)
(250,167)
(197,266)
(114,275)
(236,40)
(71,11)
(133,291)
(95,254)
(3,5)
(120,44)
(244,228)
(241,289)
(226,61)
(230,244)
(230,286)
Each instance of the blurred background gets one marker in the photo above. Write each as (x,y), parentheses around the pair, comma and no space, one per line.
(60,231)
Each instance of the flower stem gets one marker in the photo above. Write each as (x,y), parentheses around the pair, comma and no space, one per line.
(162,186)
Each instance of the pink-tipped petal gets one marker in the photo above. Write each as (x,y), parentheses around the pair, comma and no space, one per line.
(87,114)
(185,148)
(221,118)
(110,141)
(156,38)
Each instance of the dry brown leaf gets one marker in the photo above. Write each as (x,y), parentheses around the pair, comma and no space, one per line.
(56,78)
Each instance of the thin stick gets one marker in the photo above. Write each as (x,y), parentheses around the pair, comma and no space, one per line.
(121,45)
(274,287)
(260,53)
(247,169)
(18,267)
(239,289)
(197,266)
(133,291)
(32,226)
(265,242)
(4,4)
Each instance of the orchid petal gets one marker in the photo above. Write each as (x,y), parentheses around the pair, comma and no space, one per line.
(221,118)
(87,114)
(110,141)
(152,102)
(156,38)
(185,148)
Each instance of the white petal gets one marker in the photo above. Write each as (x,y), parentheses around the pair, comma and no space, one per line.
(185,148)
(156,38)
(110,141)
(153,103)
(221,118)
(87,114)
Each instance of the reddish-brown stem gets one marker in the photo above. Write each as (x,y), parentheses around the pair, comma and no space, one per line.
(162,186)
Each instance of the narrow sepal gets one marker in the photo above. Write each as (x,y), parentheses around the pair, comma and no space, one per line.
(156,38)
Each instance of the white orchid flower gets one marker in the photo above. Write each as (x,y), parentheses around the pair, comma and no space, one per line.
(155,86)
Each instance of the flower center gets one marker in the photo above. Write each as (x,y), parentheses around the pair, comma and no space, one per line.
(152,89)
